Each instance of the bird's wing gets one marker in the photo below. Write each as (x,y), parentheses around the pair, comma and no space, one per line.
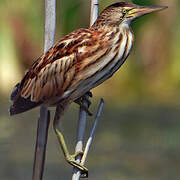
(51,75)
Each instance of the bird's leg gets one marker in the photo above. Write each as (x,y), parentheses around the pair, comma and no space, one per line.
(80,100)
(71,159)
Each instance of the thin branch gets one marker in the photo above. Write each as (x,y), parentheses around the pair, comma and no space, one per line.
(94,11)
(50,23)
(43,122)
(82,114)
(89,142)
(77,173)
(41,141)
(81,126)
(80,134)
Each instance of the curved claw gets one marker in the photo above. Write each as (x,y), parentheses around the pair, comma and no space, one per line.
(71,160)
(79,102)
(89,93)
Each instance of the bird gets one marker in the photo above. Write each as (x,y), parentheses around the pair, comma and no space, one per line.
(79,62)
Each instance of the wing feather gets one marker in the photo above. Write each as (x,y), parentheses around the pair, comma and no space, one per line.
(55,71)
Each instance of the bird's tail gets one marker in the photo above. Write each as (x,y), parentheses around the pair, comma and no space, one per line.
(20,104)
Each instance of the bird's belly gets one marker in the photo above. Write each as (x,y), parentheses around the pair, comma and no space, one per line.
(123,53)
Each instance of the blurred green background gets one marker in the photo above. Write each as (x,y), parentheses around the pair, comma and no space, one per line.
(138,135)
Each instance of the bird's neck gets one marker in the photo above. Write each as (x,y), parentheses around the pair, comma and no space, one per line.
(110,27)
(117,34)
(125,28)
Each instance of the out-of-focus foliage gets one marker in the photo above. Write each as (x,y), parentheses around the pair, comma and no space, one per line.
(150,74)
(134,142)
(138,142)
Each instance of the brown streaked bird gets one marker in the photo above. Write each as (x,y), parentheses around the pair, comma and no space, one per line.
(79,62)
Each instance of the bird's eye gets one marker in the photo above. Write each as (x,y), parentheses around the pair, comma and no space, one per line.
(124,11)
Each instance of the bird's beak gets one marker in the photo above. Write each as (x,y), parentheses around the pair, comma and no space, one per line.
(143,10)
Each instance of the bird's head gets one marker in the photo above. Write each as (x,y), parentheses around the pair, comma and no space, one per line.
(118,13)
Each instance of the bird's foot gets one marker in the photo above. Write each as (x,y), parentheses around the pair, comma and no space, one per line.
(89,93)
(80,100)
(71,159)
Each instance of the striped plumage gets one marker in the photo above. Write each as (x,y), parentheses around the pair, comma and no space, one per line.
(77,63)
(80,61)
